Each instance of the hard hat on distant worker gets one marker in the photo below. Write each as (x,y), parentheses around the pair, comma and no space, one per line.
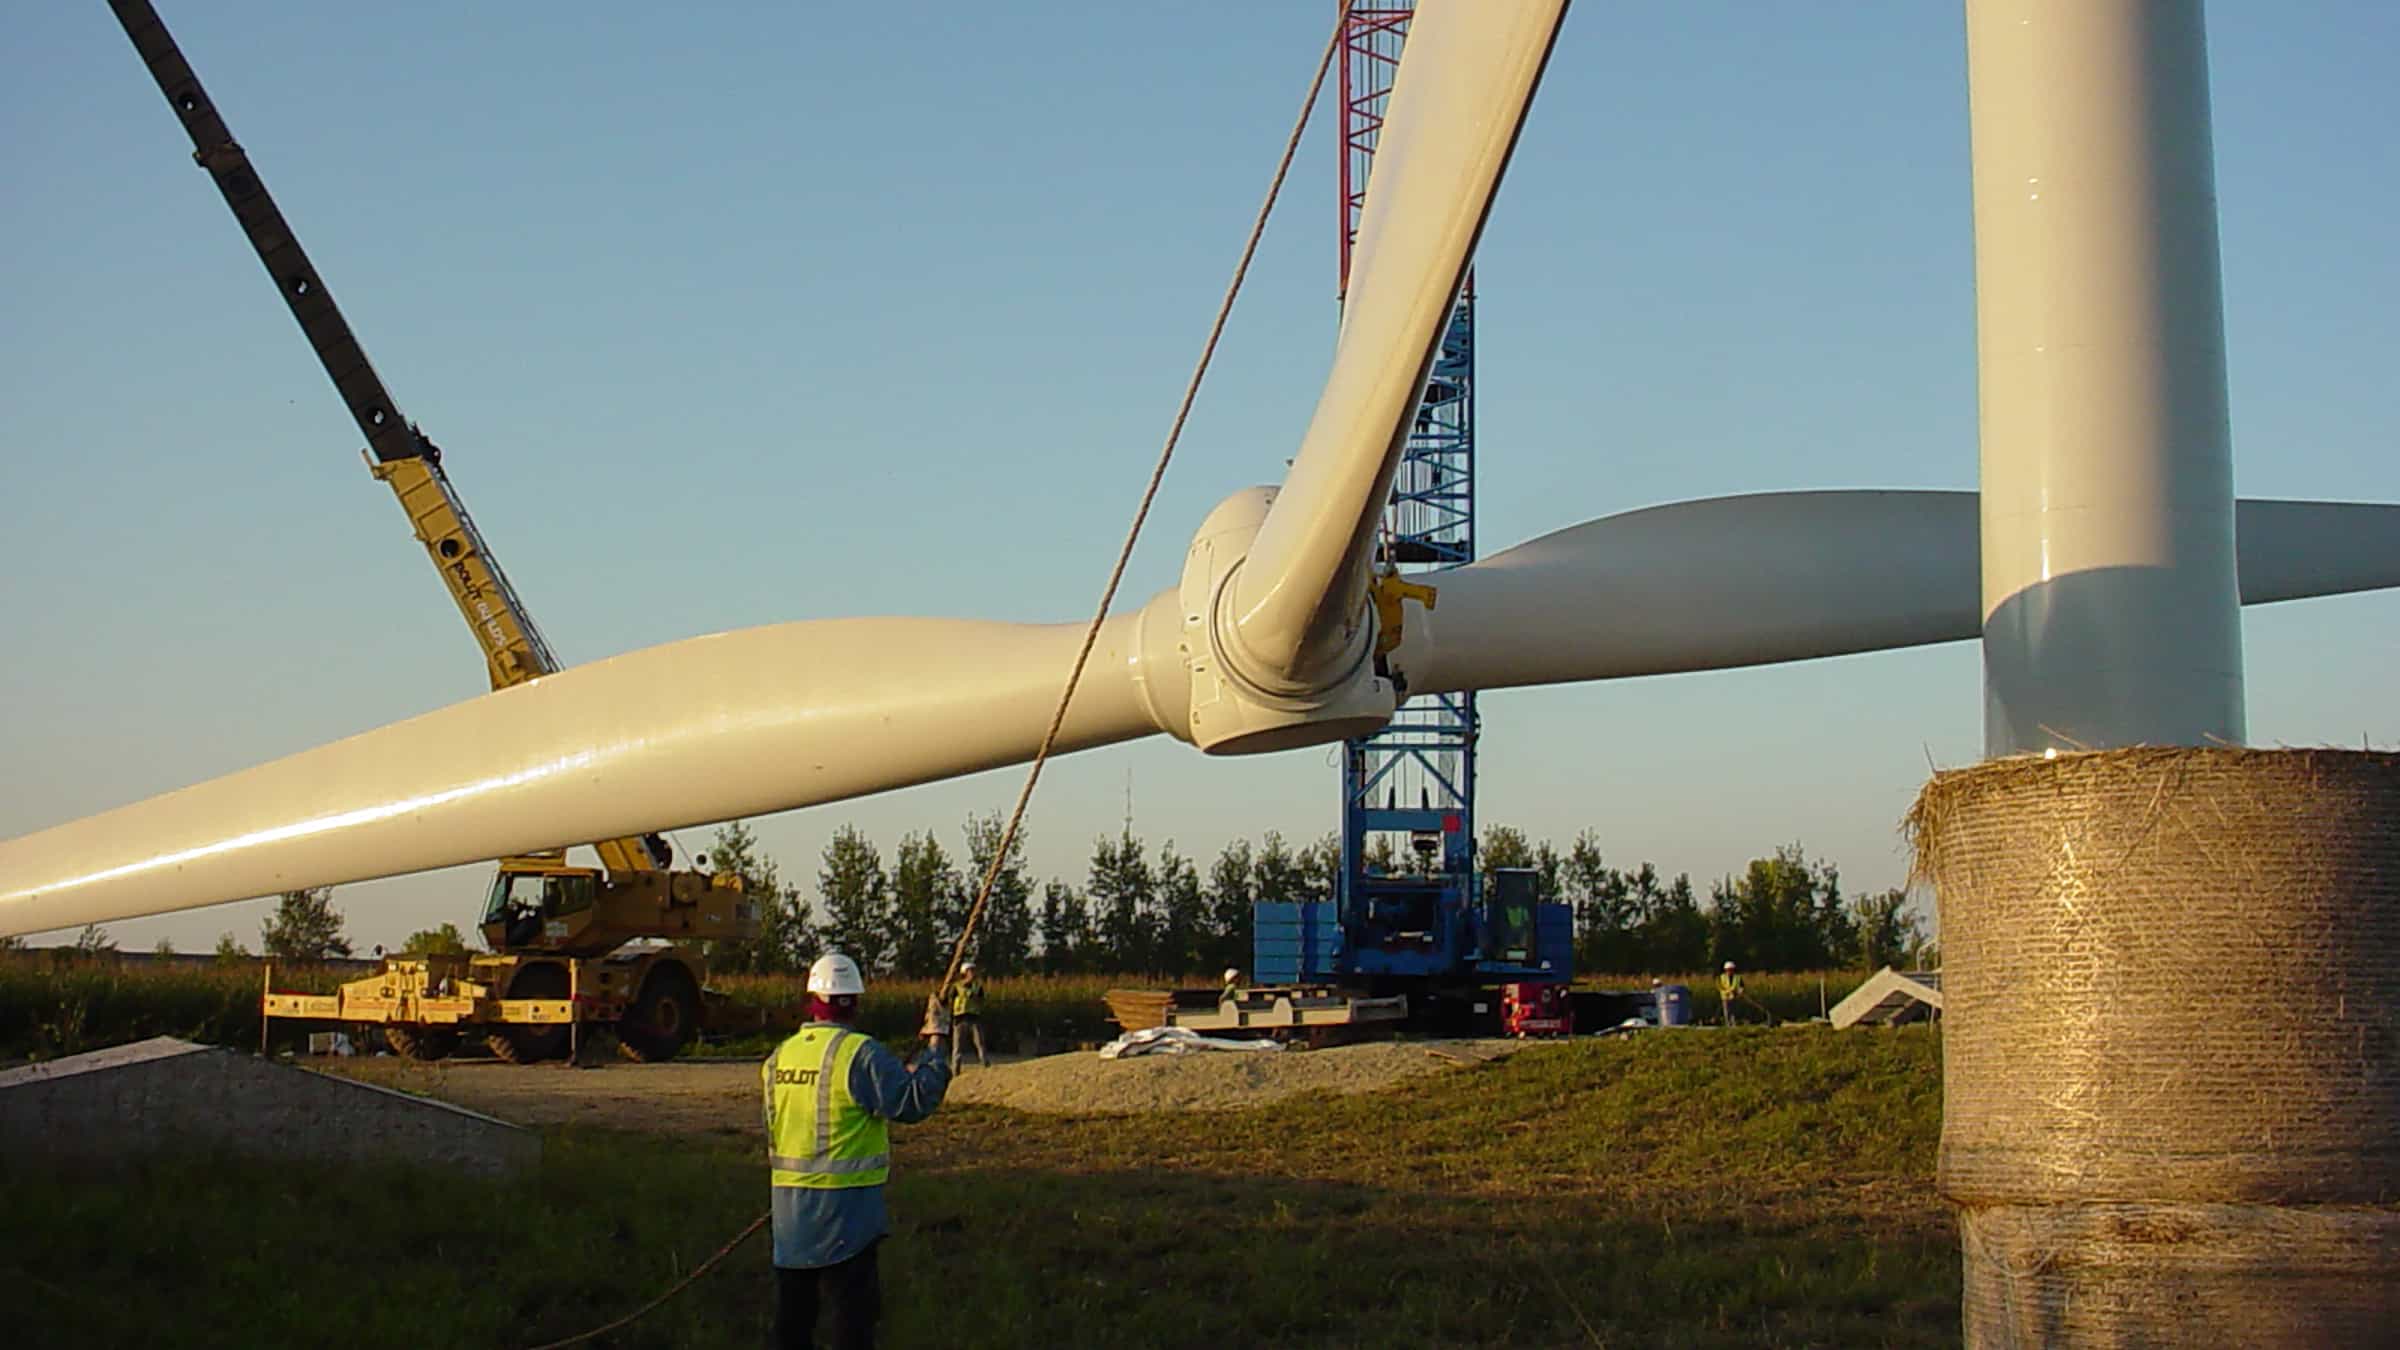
(965,966)
(1729,965)
(835,975)
(1232,974)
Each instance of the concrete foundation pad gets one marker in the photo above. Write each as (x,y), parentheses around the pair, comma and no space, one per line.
(166,1094)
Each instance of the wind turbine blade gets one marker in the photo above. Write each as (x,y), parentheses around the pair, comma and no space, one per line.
(708,729)
(1787,576)
(2298,550)
(1466,78)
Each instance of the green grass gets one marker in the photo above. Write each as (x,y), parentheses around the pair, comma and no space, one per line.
(235,1252)
(1752,1188)
(52,1006)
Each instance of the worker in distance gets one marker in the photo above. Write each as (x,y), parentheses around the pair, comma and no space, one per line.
(966,1018)
(832,1093)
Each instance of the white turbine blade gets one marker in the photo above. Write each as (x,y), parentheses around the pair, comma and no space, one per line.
(2289,550)
(737,724)
(1466,78)
(1787,576)
(1730,581)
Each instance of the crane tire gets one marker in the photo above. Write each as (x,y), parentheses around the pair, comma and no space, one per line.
(530,1043)
(422,1044)
(663,1019)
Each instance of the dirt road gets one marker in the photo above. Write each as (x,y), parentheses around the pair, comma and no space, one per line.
(722,1096)
(691,1097)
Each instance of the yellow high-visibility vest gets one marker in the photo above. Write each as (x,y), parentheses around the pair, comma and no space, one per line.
(967,999)
(818,1135)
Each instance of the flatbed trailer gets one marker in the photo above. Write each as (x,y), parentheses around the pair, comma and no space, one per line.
(1267,1010)
(425,1007)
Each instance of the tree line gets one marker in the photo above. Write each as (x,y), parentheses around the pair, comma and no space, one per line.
(1158,911)
(1139,910)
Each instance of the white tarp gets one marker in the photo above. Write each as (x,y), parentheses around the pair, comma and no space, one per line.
(1175,1041)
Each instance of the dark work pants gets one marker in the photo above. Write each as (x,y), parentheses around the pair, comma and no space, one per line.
(852,1292)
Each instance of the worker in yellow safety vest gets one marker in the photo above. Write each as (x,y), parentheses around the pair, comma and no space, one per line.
(1729,988)
(966,1017)
(831,1092)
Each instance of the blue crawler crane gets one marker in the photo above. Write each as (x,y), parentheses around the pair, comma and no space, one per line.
(1463,953)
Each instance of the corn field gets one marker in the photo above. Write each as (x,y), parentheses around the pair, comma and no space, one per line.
(52,1004)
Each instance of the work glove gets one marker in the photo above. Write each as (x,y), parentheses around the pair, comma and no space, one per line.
(937,1017)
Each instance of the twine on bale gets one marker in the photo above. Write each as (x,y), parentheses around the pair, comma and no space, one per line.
(2171,1060)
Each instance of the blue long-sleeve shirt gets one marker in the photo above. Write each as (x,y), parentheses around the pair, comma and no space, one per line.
(821,1227)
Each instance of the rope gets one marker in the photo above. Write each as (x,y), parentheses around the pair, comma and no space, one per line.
(1091,635)
(672,1290)
(1141,513)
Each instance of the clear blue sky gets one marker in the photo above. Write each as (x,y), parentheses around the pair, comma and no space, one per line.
(769,312)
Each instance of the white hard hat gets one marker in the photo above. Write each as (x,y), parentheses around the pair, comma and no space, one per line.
(1232,974)
(834,975)
(1729,965)
(966,965)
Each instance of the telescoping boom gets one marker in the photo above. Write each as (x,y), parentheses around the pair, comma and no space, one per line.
(569,946)
(399,454)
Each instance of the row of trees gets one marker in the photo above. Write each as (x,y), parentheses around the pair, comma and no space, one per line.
(1782,912)
(1143,910)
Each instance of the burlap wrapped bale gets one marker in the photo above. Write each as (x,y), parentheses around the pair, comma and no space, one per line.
(2171,1069)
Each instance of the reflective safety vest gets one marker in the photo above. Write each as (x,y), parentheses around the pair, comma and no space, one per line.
(967,999)
(818,1135)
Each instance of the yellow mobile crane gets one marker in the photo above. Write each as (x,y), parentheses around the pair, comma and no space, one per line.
(557,932)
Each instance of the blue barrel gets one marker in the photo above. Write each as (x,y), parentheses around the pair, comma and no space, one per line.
(1674,1005)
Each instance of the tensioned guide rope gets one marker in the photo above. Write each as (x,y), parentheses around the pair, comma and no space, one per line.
(1141,513)
(1091,635)
(672,1290)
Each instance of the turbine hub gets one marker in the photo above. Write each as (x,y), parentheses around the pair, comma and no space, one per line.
(1231,710)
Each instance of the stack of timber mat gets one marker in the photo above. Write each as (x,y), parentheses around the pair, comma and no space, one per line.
(1140,1009)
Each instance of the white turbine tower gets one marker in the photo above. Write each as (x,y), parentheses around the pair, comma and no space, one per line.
(2151,1135)
(2111,610)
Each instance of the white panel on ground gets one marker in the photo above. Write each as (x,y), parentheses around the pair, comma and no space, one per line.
(1890,997)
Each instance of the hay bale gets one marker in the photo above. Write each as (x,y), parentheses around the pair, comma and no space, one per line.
(2171,1061)
(2150,1274)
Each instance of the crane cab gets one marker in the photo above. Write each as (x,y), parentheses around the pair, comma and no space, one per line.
(539,902)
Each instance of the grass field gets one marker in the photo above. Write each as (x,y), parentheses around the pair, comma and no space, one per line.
(49,1007)
(1751,1188)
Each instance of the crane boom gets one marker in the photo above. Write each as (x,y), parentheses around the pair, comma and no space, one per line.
(400,455)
